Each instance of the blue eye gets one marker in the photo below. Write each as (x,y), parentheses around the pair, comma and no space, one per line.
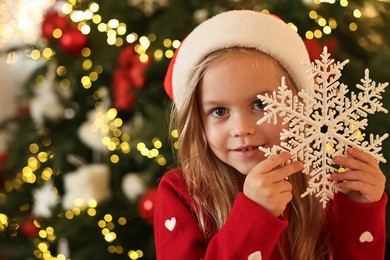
(259,105)
(219,111)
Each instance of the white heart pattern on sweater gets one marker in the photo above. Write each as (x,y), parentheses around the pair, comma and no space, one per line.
(366,237)
(170,223)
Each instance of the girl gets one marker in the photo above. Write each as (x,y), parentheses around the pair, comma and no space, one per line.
(226,201)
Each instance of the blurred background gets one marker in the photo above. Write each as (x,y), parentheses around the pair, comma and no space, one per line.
(83,112)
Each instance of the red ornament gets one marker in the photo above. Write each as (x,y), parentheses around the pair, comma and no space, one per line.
(128,75)
(52,21)
(28,228)
(73,41)
(146,205)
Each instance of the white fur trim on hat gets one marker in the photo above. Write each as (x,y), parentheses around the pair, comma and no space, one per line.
(243,28)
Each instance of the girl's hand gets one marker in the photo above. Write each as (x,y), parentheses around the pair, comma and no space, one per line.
(364,180)
(267,184)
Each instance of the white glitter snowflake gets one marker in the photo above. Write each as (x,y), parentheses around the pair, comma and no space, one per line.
(323,122)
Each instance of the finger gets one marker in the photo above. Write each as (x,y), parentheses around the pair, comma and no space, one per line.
(286,171)
(363,156)
(354,164)
(357,176)
(359,186)
(283,186)
(272,162)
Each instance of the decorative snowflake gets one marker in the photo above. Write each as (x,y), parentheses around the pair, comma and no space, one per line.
(323,122)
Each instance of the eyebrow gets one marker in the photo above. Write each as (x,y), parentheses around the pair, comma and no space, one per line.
(220,103)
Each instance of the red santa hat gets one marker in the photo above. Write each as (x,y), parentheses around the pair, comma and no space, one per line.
(238,28)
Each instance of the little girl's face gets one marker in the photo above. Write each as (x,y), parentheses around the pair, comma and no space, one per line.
(229,107)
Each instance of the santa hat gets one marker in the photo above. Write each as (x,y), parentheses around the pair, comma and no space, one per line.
(238,28)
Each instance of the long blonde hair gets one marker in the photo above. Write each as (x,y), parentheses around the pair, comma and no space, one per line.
(214,185)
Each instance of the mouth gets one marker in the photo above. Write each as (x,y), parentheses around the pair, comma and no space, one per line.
(246,148)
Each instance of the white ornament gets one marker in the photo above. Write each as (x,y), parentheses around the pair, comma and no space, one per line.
(63,247)
(170,223)
(133,186)
(89,182)
(46,102)
(45,198)
(90,131)
(323,122)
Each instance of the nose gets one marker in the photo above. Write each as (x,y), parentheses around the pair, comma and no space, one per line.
(243,125)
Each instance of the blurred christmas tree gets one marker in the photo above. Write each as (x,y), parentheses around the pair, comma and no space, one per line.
(90,138)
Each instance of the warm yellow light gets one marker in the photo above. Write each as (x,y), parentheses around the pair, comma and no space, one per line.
(47,53)
(87,64)
(42,234)
(131,37)
(157,143)
(158,54)
(110,237)
(91,212)
(113,23)
(61,71)
(317,34)
(344,3)
(353,27)
(86,81)
(67,8)
(309,35)
(169,54)
(88,15)
(57,33)
(121,29)
(321,22)
(3,222)
(85,29)
(94,7)
(42,157)
(357,13)
(327,30)
(332,23)
(35,54)
(114,158)
(313,14)
(167,43)
(176,44)
(175,133)
(108,217)
(96,19)
(102,27)
(143,57)
(77,16)
(102,223)
(161,160)
(34,148)
(122,221)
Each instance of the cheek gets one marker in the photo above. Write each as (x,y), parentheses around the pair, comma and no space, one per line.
(273,132)
(215,135)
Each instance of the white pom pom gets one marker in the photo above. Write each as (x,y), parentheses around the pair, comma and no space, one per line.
(45,199)
(89,182)
(133,186)
(90,134)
